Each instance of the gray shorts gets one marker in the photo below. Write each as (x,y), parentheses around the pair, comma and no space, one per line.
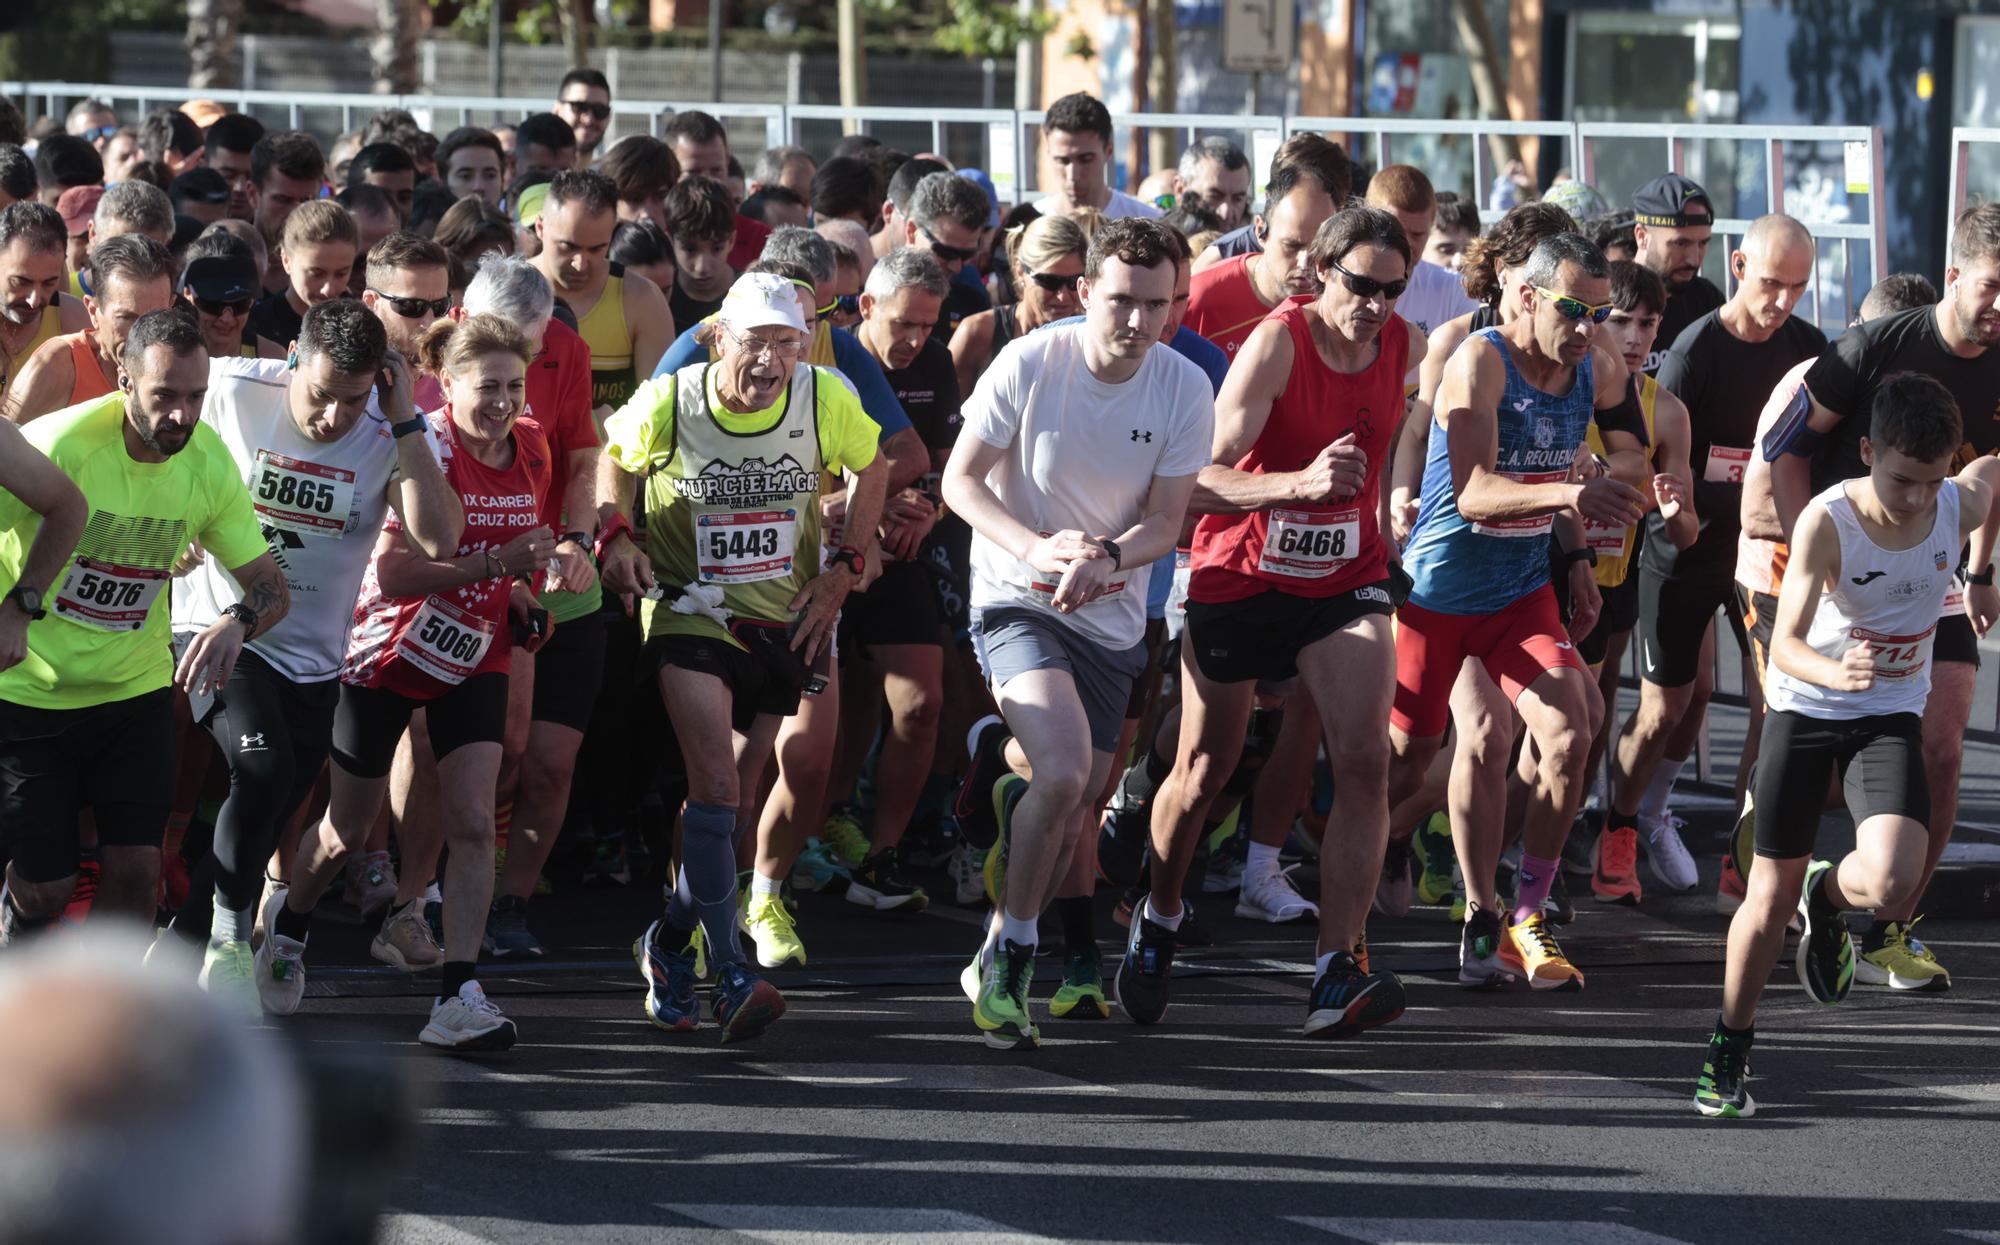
(1014,641)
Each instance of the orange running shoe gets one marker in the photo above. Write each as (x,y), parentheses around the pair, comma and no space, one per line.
(1530,951)
(1614,866)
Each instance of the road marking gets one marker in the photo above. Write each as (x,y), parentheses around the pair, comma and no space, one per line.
(424,1230)
(1484,1232)
(929,1077)
(1466,1083)
(842,1225)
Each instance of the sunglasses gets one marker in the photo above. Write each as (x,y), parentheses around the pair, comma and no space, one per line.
(595,111)
(413,308)
(97,132)
(849,304)
(1369,287)
(223,306)
(1575,308)
(1052,283)
(949,254)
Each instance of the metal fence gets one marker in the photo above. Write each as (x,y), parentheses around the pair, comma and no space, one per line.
(1975,160)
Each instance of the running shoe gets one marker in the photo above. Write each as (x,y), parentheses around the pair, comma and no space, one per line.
(771,928)
(280,965)
(1558,906)
(371,882)
(1144,974)
(1531,952)
(507,933)
(1667,856)
(1270,896)
(1001,1009)
(229,972)
(879,884)
(83,896)
(1901,963)
(1730,890)
(669,978)
(1576,844)
(1479,943)
(1743,836)
(819,868)
(1348,1000)
(1007,792)
(468,1021)
(843,833)
(1395,887)
(975,806)
(1082,987)
(1614,866)
(1826,952)
(1723,1091)
(967,868)
(609,864)
(1436,860)
(1125,831)
(406,940)
(271,886)
(1223,875)
(745,1004)
(1300,842)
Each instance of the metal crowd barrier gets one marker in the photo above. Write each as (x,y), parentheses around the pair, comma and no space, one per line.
(1964,138)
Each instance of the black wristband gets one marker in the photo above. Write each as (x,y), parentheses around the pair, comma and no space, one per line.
(579,538)
(1117,554)
(1984,578)
(414,423)
(1582,553)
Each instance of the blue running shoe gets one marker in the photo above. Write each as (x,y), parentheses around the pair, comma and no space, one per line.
(1148,966)
(669,977)
(819,868)
(1347,1000)
(745,1004)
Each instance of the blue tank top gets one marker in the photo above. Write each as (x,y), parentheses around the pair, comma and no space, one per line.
(1481,568)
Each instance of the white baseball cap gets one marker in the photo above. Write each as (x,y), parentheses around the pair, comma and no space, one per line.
(760,300)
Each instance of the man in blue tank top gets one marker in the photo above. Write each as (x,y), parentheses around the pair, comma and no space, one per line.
(1505,470)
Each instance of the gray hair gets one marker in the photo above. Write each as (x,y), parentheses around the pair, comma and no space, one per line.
(795,244)
(140,207)
(909,267)
(771,165)
(1551,253)
(1221,150)
(512,288)
(85,107)
(947,196)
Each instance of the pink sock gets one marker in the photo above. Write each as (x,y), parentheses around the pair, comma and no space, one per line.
(1537,874)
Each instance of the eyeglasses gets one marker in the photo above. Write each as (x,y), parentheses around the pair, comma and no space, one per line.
(413,308)
(846,304)
(589,108)
(949,254)
(223,306)
(1052,283)
(1369,287)
(1575,308)
(96,132)
(758,347)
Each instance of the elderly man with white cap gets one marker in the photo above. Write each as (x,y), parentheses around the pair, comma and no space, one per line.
(738,602)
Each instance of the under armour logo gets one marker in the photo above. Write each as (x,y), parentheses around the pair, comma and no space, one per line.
(252,742)
(1869,578)
(1147,437)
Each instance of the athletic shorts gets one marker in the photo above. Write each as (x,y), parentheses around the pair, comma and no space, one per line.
(1759,612)
(1156,647)
(1881,759)
(1673,618)
(371,720)
(948,554)
(1261,637)
(569,671)
(1619,613)
(1517,644)
(1956,641)
(899,608)
(1010,642)
(755,689)
(117,758)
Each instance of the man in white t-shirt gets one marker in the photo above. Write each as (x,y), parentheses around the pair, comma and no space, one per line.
(1079,451)
(1435,295)
(1076,138)
(323,463)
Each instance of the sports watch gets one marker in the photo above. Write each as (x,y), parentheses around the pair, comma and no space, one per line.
(30,601)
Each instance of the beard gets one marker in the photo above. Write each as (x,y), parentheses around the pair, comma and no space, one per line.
(163,439)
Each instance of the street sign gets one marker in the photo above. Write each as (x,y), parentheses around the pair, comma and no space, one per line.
(1258,36)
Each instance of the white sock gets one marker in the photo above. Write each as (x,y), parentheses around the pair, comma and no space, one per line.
(1164,922)
(229,924)
(761,885)
(1259,859)
(1654,802)
(1021,932)
(1321,965)
(432,894)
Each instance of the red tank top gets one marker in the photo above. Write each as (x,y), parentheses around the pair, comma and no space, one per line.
(422,647)
(1223,305)
(1310,549)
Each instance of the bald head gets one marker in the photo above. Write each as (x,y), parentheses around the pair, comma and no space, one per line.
(1774,234)
(1772,268)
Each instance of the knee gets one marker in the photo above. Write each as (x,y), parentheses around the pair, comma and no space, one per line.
(468,822)
(1203,775)
(1565,749)
(1943,748)
(1066,782)
(919,707)
(545,777)
(1360,763)
(41,899)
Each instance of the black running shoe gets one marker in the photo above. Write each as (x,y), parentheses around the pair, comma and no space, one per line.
(1826,951)
(1144,973)
(986,744)
(1347,1000)
(1722,1090)
(1557,907)
(879,884)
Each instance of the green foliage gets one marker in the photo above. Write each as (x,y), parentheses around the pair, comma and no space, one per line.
(989,27)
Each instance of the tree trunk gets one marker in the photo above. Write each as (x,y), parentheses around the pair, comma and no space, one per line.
(394,48)
(1163,78)
(853,62)
(213,60)
(1488,86)
(574,18)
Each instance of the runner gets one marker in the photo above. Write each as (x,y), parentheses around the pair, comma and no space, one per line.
(86,716)
(287,169)
(316,260)
(544,143)
(1101,452)
(701,145)
(1047,257)
(1872,564)
(1231,298)
(1435,295)
(128,207)
(584,100)
(220,283)
(230,145)
(133,275)
(473,163)
(32,244)
(1723,367)
(732,454)
(1076,137)
(424,638)
(1215,174)
(17,176)
(1513,411)
(703,225)
(1291,576)
(1950,341)
(622,317)
(307,436)
(1329,164)
(1673,220)
(1452,230)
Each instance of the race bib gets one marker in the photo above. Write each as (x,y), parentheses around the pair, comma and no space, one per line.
(1609,542)
(107,597)
(1537,525)
(1304,544)
(745,546)
(445,642)
(1954,599)
(298,496)
(1897,656)
(1726,464)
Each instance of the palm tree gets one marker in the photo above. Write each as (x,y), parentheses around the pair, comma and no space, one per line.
(211,43)
(394,48)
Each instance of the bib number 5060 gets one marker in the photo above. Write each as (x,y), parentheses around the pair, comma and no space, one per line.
(451,641)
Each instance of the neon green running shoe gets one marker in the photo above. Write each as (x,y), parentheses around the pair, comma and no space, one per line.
(1001,1010)
(844,834)
(1432,842)
(1082,987)
(771,928)
(229,973)
(1006,794)
(1721,1092)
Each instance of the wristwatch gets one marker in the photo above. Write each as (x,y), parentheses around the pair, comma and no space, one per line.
(30,600)
(850,557)
(1117,555)
(241,613)
(1582,553)
(1983,578)
(414,423)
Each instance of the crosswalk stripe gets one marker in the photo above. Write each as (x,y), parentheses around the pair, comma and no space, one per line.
(840,1225)
(1484,1231)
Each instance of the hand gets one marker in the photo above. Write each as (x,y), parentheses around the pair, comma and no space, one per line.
(1610,502)
(818,606)
(1053,554)
(1669,492)
(1336,473)
(1403,518)
(1982,606)
(190,558)
(521,605)
(526,553)
(1082,583)
(574,570)
(833,518)
(210,657)
(395,389)
(626,570)
(1586,602)
(1857,668)
(872,562)
(907,521)
(13,635)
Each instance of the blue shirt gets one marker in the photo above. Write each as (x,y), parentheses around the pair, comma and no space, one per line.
(850,357)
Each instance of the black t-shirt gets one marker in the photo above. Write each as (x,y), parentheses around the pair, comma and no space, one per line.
(1685,304)
(689,311)
(928,390)
(1849,372)
(962,300)
(1724,382)
(272,316)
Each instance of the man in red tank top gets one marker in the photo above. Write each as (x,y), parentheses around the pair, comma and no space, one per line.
(1292,576)
(1229,300)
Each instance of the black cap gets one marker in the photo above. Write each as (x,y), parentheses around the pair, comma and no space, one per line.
(1673,201)
(200,185)
(222,278)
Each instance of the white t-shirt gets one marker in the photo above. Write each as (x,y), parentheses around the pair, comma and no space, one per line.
(1436,296)
(1082,454)
(1121,204)
(321,505)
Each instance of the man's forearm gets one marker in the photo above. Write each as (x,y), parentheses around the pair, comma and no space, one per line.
(976,503)
(1488,495)
(616,488)
(866,490)
(579,507)
(54,541)
(1791,489)
(433,516)
(1225,490)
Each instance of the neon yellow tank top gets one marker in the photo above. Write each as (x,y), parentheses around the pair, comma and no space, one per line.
(1614,544)
(612,379)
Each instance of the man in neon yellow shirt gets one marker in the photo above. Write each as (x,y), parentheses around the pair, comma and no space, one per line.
(86,716)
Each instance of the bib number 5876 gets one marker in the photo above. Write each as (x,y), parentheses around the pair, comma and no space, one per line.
(100,590)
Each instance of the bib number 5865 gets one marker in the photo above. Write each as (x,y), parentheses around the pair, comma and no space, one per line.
(290,490)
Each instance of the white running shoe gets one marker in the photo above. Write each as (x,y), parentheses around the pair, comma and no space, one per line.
(1225,874)
(468,1021)
(1270,896)
(1667,858)
(968,875)
(280,964)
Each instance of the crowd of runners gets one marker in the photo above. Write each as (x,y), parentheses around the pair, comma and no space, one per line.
(441,497)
